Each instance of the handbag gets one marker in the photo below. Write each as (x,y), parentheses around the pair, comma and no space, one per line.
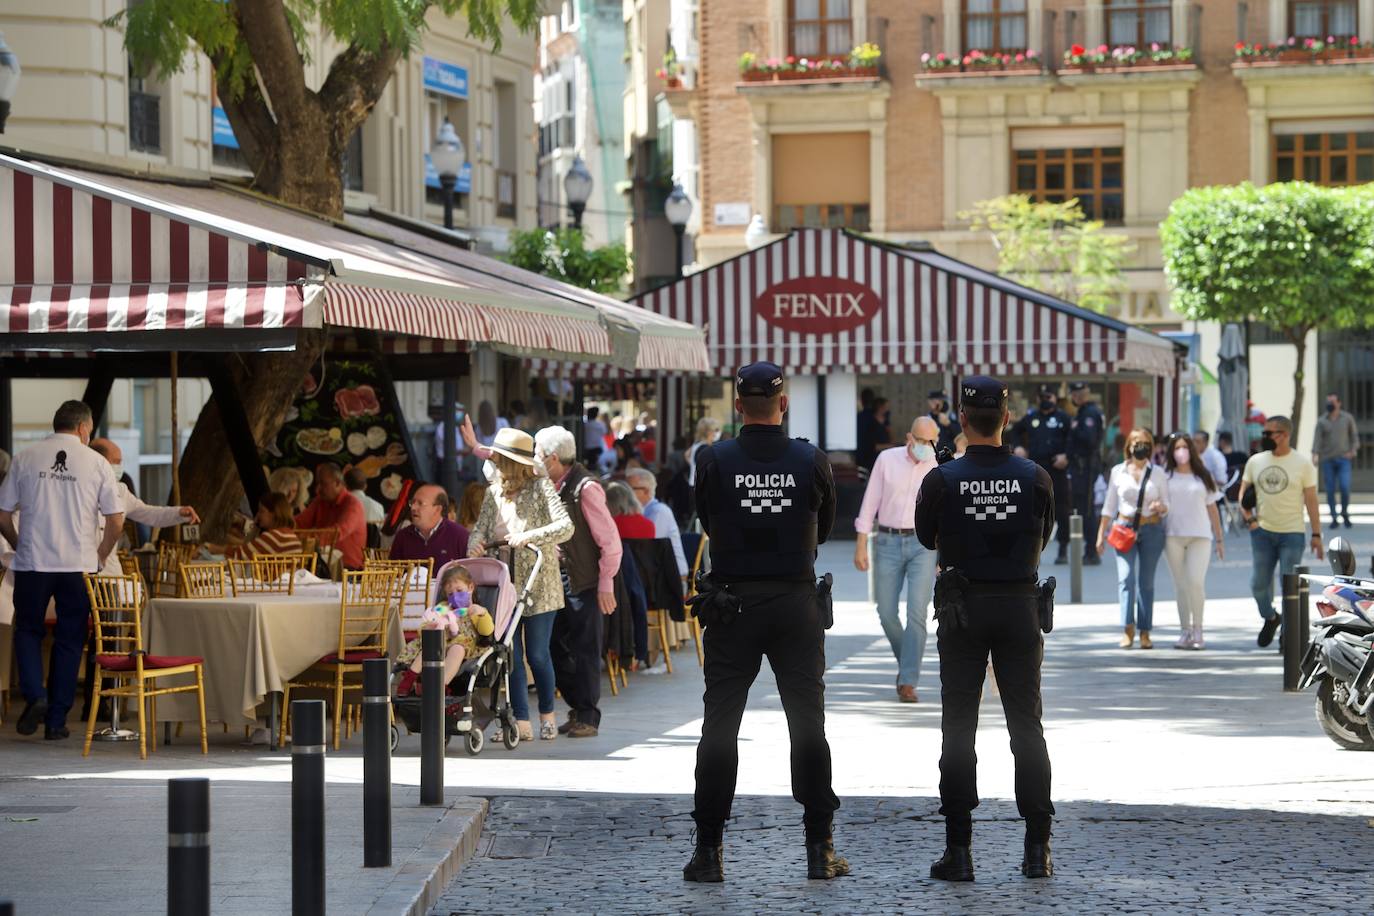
(1122,536)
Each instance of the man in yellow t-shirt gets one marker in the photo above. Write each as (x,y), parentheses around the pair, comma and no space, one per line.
(1285,482)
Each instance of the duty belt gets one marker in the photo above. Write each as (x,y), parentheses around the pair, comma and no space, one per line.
(763,588)
(987,589)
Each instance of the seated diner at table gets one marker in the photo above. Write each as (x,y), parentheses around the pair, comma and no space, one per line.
(334,507)
(274,529)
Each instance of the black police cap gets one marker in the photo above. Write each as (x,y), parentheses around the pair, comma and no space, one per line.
(761,378)
(1050,390)
(937,394)
(983,391)
(1078,386)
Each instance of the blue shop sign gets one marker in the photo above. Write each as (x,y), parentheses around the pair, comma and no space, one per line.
(222,133)
(446,78)
(464,185)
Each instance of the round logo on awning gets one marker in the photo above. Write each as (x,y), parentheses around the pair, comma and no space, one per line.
(817,305)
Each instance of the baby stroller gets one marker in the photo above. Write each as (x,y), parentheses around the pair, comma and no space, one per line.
(480,692)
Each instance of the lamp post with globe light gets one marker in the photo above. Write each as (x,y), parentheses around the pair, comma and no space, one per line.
(448,156)
(577,187)
(678,209)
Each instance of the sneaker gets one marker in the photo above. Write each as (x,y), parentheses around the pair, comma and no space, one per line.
(55,733)
(1348,523)
(33,714)
(1266,633)
(1185,641)
(660,668)
(583,730)
(1093,560)
(1197,642)
(1062,558)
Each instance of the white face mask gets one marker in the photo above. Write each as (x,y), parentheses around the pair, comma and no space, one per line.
(118,471)
(1182,458)
(922,452)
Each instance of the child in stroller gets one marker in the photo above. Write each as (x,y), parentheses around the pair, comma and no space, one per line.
(478,680)
(462,620)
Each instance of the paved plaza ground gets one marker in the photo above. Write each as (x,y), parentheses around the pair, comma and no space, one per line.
(1186,782)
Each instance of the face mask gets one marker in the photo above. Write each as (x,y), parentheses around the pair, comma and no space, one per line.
(459,601)
(1182,457)
(1267,443)
(1330,406)
(922,452)
(118,471)
(489,471)
(1047,405)
(1140,451)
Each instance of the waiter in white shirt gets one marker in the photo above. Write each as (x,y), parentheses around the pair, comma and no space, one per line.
(135,509)
(60,485)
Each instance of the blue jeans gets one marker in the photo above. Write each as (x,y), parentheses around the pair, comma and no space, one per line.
(1336,476)
(898,560)
(1135,577)
(532,642)
(32,591)
(1270,549)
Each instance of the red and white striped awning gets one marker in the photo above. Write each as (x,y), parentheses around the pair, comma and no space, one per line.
(819,300)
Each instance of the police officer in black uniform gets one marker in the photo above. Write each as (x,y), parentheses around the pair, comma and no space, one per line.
(1044,434)
(938,402)
(1085,460)
(766,501)
(989,516)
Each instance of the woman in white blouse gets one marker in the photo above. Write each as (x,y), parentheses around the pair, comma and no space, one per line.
(1194,526)
(1135,569)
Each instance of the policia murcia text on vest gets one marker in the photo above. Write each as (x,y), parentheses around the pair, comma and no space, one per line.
(765,501)
(989,515)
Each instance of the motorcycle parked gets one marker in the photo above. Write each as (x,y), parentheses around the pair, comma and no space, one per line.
(1340,659)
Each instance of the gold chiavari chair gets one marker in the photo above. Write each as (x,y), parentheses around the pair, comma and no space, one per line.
(369,599)
(116,608)
(167,573)
(202,580)
(419,576)
(373,554)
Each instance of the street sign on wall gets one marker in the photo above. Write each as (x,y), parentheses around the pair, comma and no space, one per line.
(445,78)
(817,305)
(222,133)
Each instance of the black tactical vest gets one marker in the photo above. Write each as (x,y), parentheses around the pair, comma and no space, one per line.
(762,521)
(989,529)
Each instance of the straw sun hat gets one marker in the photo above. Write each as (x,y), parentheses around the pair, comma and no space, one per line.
(515,444)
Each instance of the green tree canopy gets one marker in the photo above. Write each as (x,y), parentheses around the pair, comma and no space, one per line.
(294,136)
(1293,255)
(1055,248)
(563,254)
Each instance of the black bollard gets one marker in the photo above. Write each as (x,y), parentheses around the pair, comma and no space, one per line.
(1076,558)
(1304,607)
(432,727)
(376,763)
(6,908)
(188,847)
(307,807)
(1290,639)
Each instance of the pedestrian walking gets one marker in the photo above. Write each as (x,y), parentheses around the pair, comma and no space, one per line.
(1333,449)
(1192,531)
(1137,501)
(989,514)
(899,558)
(1085,458)
(62,487)
(591,560)
(708,432)
(938,402)
(1285,483)
(1043,436)
(766,502)
(1213,459)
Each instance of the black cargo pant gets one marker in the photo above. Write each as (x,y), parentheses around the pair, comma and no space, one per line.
(1062,501)
(786,627)
(1084,473)
(1009,629)
(576,648)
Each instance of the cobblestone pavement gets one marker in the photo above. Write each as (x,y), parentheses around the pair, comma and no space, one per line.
(623,854)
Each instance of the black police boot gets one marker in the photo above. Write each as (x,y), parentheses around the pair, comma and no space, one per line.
(955,865)
(821,862)
(707,865)
(1036,863)
(1062,558)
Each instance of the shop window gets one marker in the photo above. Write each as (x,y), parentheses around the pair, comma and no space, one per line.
(810,191)
(1139,23)
(995,25)
(1322,18)
(1093,175)
(819,28)
(1341,158)
(145,114)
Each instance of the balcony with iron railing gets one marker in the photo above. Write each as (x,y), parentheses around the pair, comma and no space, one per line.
(1317,35)
(812,52)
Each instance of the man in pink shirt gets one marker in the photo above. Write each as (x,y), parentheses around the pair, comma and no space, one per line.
(591,560)
(888,513)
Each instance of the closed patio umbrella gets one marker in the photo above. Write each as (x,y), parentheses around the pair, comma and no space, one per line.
(1233,374)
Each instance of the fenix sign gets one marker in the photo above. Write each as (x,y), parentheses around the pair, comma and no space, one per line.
(817,305)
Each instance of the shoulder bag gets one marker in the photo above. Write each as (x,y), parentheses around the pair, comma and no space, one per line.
(1122,536)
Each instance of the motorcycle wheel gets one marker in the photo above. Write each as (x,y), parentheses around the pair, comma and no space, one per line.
(1341,724)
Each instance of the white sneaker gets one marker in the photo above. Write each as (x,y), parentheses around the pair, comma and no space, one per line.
(660,668)
(1197,642)
(1185,641)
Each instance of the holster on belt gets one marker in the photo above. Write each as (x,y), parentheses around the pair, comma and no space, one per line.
(712,604)
(1045,602)
(825,601)
(951,593)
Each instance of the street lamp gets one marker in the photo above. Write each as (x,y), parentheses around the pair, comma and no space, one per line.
(448,157)
(9,79)
(577,185)
(678,209)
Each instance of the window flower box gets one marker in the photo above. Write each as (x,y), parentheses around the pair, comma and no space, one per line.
(1306,50)
(979,61)
(862,63)
(1104,59)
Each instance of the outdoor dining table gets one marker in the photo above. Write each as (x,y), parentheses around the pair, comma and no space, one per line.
(252,645)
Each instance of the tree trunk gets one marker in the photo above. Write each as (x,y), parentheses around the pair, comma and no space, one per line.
(1299,338)
(306,169)
(267,383)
